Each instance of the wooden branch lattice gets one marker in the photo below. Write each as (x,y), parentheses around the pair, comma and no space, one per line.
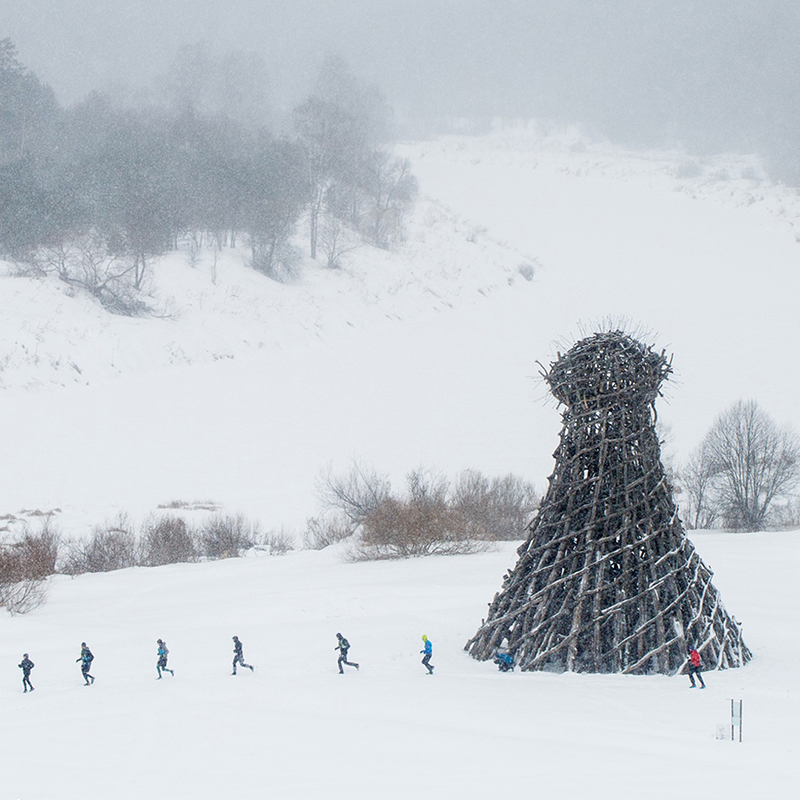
(607,580)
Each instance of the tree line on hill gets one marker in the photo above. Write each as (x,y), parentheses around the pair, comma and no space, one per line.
(94,192)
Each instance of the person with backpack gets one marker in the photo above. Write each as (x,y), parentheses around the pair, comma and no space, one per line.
(161,664)
(86,657)
(427,653)
(504,660)
(26,666)
(238,655)
(343,646)
(694,668)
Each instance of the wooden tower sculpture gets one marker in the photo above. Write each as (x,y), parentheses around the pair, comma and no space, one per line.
(607,580)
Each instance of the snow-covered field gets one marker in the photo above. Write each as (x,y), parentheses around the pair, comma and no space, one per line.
(246,389)
(295,728)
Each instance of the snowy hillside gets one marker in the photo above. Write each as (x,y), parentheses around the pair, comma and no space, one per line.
(246,389)
(297,729)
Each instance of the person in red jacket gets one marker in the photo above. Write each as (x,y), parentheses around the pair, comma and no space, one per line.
(694,668)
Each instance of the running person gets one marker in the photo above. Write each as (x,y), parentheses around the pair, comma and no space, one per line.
(694,668)
(238,655)
(343,646)
(161,664)
(86,657)
(428,652)
(26,666)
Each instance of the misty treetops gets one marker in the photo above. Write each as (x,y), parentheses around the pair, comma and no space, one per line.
(98,189)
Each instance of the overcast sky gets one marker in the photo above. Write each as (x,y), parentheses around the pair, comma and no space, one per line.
(648,67)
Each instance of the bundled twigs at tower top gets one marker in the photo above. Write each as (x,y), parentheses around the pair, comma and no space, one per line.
(607,580)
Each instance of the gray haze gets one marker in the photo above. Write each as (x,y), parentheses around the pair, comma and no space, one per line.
(710,74)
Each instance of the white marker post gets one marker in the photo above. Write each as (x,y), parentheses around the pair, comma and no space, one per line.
(736,718)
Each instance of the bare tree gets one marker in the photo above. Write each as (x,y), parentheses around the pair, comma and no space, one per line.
(697,485)
(752,463)
(84,261)
(391,190)
(335,240)
(355,494)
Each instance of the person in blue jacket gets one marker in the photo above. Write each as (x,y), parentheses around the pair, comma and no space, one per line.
(504,660)
(86,659)
(26,666)
(427,653)
(161,664)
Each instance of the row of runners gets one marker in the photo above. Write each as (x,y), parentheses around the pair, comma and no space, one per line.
(502,658)
(86,658)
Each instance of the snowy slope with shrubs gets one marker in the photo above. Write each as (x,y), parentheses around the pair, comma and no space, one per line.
(244,389)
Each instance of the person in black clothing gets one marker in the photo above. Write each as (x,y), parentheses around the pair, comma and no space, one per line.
(86,659)
(238,655)
(26,666)
(161,664)
(343,647)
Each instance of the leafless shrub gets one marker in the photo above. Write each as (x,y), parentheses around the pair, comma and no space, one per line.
(787,515)
(20,597)
(431,517)
(323,531)
(86,262)
(279,543)
(355,494)
(32,555)
(110,547)
(336,240)
(25,565)
(421,524)
(166,540)
(226,536)
(496,509)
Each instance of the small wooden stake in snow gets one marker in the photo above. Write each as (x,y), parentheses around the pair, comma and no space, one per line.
(607,580)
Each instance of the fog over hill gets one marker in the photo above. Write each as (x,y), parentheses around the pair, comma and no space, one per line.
(710,74)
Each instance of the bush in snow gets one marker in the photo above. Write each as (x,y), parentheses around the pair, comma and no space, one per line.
(494,509)
(422,523)
(322,532)
(226,536)
(166,540)
(277,543)
(25,564)
(109,547)
(430,517)
(85,262)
